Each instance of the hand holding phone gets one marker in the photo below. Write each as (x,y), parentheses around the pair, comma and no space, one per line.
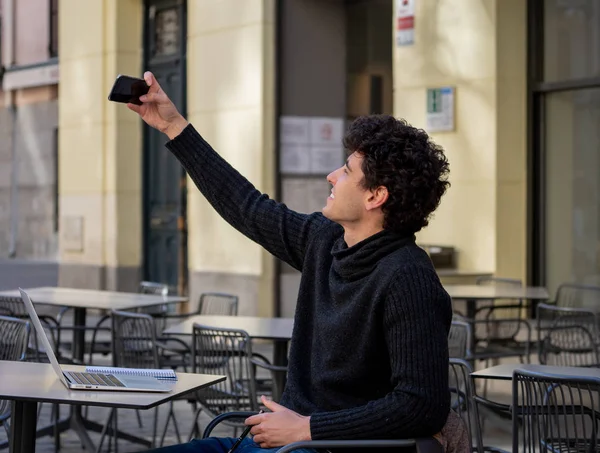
(154,107)
(128,89)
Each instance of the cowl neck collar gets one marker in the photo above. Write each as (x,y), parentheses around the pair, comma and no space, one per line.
(360,259)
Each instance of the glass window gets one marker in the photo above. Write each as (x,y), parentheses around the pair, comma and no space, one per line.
(572,39)
(572,187)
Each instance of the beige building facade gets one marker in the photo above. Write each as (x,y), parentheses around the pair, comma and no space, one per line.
(231,98)
(243,70)
(29,75)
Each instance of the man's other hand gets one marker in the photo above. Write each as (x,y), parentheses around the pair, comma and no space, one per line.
(280,427)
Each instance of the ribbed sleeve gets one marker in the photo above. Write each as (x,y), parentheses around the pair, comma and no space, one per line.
(416,337)
(283,232)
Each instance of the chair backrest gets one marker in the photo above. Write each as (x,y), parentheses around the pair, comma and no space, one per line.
(225,352)
(459,339)
(14,336)
(555,412)
(15,308)
(463,399)
(500,309)
(12,306)
(575,295)
(134,340)
(154,288)
(569,345)
(218,304)
(158,311)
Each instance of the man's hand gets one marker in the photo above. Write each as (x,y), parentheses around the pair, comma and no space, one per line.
(157,110)
(280,427)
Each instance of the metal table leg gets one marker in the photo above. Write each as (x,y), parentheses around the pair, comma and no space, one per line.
(23,426)
(280,359)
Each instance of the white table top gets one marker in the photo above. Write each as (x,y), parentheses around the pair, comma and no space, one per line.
(505,371)
(91,298)
(27,381)
(263,328)
(485,292)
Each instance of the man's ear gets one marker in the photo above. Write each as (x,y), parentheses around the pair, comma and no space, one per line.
(377,197)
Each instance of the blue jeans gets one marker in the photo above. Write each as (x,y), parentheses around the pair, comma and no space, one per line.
(220,445)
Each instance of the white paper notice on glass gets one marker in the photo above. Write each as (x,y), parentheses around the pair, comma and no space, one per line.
(325,159)
(326,131)
(310,145)
(295,130)
(294,159)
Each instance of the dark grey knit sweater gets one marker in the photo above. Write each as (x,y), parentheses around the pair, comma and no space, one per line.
(369,352)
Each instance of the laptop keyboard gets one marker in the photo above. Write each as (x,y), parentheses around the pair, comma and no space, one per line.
(96,379)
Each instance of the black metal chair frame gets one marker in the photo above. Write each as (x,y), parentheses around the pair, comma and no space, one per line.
(507,345)
(239,391)
(579,349)
(424,445)
(155,346)
(462,403)
(534,416)
(16,350)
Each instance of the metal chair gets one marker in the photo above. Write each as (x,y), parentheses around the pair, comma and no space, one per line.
(459,340)
(423,445)
(569,345)
(211,304)
(463,402)
(136,345)
(555,413)
(574,304)
(497,325)
(13,346)
(227,352)
(158,312)
(14,307)
(217,304)
(575,295)
(461,391)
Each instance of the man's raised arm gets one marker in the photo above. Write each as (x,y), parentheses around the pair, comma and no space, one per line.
(283,232)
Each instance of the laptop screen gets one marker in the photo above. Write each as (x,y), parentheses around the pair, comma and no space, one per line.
(42,336)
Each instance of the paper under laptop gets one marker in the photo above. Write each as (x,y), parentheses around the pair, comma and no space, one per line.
(77,380)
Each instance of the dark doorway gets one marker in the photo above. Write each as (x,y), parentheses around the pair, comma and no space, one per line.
(165,234)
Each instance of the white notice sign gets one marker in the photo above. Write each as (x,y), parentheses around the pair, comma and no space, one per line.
(440,109)
(325,159)
(295,129)
(311,145)
(405,22)
(295,159)
(326,131)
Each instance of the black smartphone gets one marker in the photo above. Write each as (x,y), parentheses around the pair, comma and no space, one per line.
(128,89)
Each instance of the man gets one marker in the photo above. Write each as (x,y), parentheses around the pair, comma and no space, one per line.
(369,354)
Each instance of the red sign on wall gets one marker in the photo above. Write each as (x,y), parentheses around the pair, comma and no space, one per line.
(405,22)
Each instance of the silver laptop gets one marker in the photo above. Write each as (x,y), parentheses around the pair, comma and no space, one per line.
(92,381)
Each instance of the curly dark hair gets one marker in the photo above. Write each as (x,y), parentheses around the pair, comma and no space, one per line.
(403,159)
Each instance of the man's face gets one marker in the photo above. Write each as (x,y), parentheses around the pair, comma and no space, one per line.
(346,203)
